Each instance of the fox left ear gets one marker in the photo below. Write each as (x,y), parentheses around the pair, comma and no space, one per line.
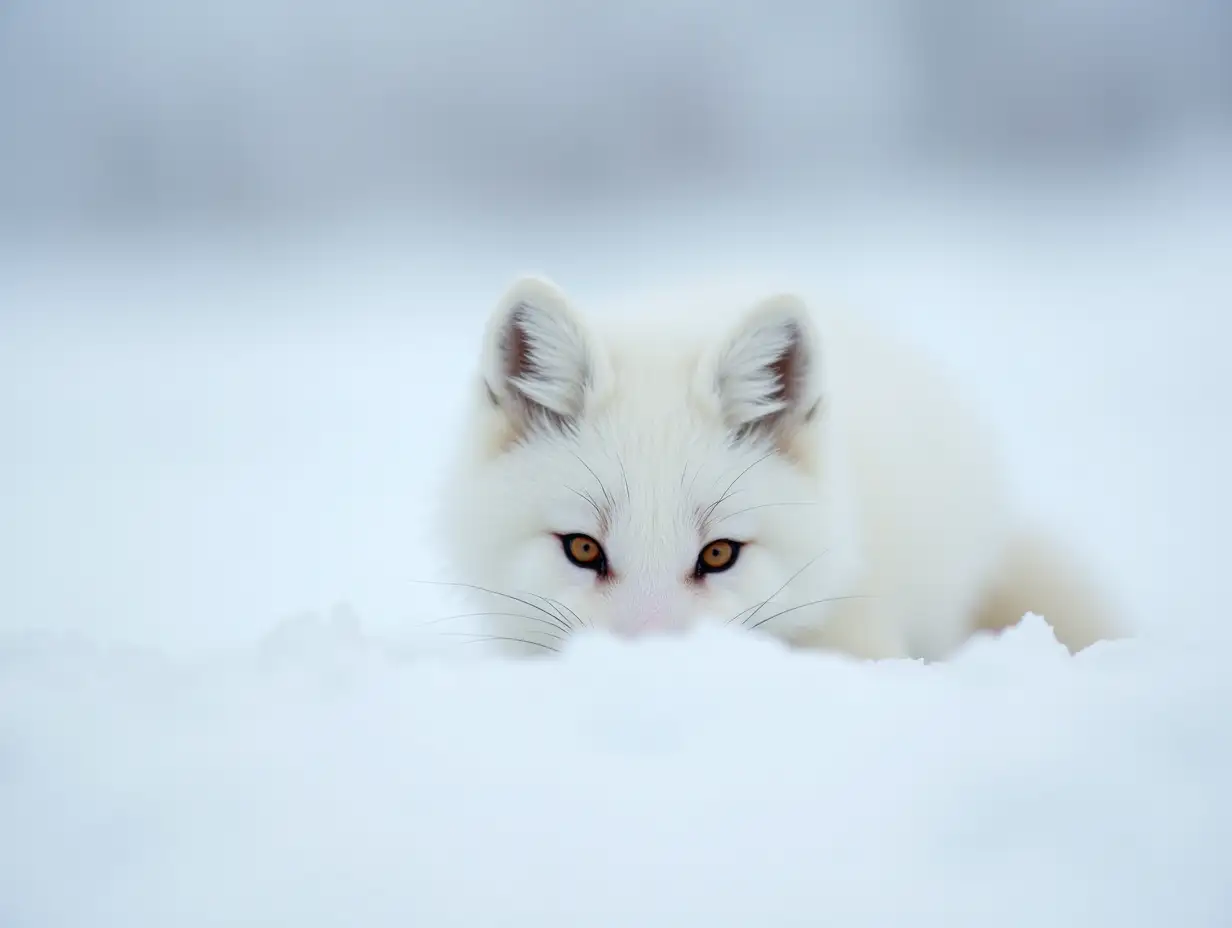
(539,362)
(766,371)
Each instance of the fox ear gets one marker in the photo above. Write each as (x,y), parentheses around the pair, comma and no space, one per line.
(538,359)
(766,371)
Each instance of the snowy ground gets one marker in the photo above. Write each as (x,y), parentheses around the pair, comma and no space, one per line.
(329,781)
(202,443)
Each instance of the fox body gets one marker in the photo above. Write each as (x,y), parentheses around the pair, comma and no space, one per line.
(741,458)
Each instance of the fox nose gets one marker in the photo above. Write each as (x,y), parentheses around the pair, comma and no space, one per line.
(649,617)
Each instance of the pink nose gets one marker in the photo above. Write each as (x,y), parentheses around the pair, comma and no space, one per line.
(648,618)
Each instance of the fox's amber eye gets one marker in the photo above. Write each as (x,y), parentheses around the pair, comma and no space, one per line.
(584,551)
(718,556)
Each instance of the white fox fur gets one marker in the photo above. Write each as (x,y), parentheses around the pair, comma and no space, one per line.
(868,497)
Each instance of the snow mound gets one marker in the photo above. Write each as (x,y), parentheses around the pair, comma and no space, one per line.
(331,779)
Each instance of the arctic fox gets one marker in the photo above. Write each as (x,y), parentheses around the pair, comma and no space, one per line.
(748,460)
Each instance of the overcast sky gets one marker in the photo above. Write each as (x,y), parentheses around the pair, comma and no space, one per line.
(167,107)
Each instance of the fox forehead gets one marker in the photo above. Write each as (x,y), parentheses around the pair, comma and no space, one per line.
(651,490)
(652,451)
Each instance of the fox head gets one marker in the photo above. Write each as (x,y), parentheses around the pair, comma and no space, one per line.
(641,477)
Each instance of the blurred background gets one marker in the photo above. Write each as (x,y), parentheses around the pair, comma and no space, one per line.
(135,111)
(245,245)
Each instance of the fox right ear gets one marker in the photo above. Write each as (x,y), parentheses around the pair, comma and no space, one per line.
(766,372)
(538,359)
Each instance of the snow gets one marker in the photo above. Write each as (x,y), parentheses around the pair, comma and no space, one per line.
(717,780)
(207,446)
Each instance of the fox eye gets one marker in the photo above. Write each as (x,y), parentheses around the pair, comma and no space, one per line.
(717,557)
(584,551)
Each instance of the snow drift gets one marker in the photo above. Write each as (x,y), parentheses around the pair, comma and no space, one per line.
(328,778)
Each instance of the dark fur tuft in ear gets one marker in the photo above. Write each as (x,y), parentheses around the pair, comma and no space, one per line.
(766,371)
(538,358)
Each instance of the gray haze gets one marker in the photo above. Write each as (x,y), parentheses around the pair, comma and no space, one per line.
(140,111)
